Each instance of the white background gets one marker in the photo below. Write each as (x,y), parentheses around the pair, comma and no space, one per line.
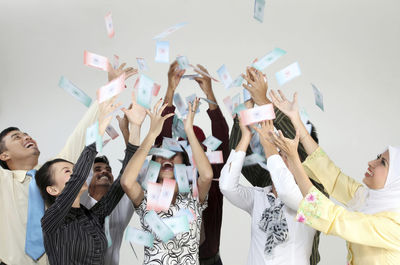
(348,49)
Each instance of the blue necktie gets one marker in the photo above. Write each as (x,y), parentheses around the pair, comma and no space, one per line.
(34,237)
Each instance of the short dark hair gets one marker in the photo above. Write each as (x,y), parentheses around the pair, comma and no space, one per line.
(102,159)
(3,134)
(44,178)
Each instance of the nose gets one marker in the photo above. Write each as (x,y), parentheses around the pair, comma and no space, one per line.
(27,137)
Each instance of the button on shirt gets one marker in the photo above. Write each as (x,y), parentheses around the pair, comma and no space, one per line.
(298,246)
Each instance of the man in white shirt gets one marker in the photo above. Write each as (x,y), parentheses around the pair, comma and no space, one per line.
(100,183)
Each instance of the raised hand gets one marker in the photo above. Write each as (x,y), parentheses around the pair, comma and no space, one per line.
(105,110)
(157,121)
(114,73)
(136,113)
(174,76)
(264,130)
(286,145)
(256,85)
(289,108)
(204,81)
(188,122)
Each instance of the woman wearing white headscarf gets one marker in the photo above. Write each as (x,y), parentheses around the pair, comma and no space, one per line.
(371,222)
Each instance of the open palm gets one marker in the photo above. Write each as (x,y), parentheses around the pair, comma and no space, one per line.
(289,108)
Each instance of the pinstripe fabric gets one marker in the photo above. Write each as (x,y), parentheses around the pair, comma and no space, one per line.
(76,235)
(259,177)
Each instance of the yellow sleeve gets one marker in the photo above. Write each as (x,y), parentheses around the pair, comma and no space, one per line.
(320,168)
(379,230)
(77,140)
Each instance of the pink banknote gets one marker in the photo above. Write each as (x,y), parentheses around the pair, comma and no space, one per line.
(257,114)
(95,60)
(166,195)
(153,193)
(113,88)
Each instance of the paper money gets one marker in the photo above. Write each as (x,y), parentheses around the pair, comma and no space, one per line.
(189,172)
(181,178)
(162,52)
(109,25)
(209,101)
(225,76)
(319,100)
(191,99)
(107,231)
(161,152)
(239,108)
(113,88)
(268,59)
(115,61)
(92,135)
(156,89)
(152,173)
(288,73)
(171,144)
(183,143)
(236,100)
(183,62)
(253,159)
(259,6)
(257,114)
(153,193)
(142,64)
(106,142)
(189,152)
(178,224)
(145,91)
(238,81)
(212,143)
(202,72)
(190,215)
(256,146)
(158,227)
(95,60)
(195,188)
(110,130)
(166,194)
(190,77)
(142,173)
(215,157)
(74,91)
(170,30)
(178,128)
(139,237)
(180,104)
(246,95)
(229,104)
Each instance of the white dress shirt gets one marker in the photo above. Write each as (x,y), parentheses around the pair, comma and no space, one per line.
(119,220)
(298,246)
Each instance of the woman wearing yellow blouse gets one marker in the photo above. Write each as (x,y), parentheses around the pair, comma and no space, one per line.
(370,223)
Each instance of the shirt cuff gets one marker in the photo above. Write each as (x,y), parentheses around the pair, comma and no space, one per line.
(215,114)
(313,210)
(168,110)
(131,148)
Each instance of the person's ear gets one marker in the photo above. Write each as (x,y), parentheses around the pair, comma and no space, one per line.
(5,156)
(53,191)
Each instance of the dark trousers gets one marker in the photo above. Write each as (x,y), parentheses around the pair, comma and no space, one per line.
(2,263)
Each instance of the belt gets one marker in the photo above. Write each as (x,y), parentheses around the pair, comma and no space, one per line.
(210,261)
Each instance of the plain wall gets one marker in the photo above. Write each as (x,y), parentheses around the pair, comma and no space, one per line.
(348,49)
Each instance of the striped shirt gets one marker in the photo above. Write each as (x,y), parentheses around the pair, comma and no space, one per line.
(259,177)
(76,235)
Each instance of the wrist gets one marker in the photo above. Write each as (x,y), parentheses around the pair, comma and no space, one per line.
(263,101)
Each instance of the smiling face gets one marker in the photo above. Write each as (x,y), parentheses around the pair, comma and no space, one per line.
(377,172)
(102,176)
(167,165)
(18,146)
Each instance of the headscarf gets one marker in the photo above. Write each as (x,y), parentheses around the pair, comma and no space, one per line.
(387,199)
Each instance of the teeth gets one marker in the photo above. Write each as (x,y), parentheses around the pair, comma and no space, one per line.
(369,172)
(167,163)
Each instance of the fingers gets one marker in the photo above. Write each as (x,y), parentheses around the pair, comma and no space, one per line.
(274,97)
(202,68)
(282,95)
(168,116)
(249,88)
(160,111)
(148,112)
(248,79)
(295,98)
(172,67)
(122,66)
(155,108)
(119,119)
(133,98)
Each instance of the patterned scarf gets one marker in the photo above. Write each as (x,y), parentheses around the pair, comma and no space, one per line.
(273,223)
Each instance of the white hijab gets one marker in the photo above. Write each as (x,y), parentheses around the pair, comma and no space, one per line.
(371,201)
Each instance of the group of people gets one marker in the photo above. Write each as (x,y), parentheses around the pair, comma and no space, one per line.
(49,215)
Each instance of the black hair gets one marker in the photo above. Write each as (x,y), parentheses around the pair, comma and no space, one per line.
(3,134)
(313,132)
(102,159)
(44,178)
